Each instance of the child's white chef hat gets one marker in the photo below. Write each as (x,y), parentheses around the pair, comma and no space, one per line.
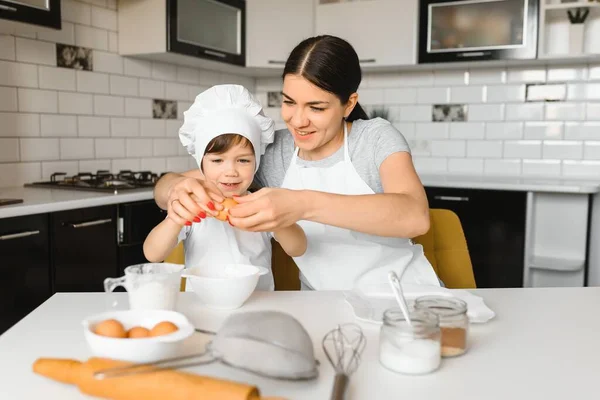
(225,109)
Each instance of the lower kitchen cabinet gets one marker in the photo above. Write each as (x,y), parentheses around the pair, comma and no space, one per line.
(84,243)
(494,225)
(25,267)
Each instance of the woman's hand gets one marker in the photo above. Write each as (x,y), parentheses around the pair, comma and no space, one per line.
(191,199)
(267,210)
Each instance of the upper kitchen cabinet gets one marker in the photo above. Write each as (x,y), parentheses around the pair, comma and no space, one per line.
(18,14)
(199,33)
(383,32)
(275,27)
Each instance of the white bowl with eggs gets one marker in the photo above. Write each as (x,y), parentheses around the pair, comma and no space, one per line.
(112,344)
(225,287)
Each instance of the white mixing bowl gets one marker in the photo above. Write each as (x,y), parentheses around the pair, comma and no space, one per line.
(143,349)
(226,287)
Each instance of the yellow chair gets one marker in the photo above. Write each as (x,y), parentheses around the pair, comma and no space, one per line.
(444,245)
(446,249)
(177,256)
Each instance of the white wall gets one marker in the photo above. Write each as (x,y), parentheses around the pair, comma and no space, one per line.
(503,134)
(60,119)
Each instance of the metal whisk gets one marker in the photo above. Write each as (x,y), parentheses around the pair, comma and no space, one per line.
(343,347)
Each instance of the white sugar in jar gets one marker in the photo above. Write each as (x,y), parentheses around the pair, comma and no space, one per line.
(410,349)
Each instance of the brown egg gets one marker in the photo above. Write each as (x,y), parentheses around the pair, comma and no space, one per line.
(138,332)
(163,328)
(111,328)
(227,204)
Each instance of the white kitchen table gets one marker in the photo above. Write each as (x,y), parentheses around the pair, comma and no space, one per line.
(543,344)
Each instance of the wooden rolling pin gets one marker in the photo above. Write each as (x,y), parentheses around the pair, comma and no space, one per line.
(157,385)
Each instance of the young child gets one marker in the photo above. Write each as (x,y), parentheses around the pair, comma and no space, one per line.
(226,131)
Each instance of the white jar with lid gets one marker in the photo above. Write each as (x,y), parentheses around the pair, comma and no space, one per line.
(410,348)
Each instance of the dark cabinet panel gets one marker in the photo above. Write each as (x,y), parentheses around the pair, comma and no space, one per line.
(25,267)
(494,226)
(84,242)
(136,220)
(37,12)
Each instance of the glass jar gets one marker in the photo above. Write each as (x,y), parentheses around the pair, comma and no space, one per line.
(453,320)
(410,348)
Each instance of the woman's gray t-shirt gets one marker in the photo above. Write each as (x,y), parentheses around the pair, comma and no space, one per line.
(370,142)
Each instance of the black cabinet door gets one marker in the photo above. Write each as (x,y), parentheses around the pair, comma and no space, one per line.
(494,226)
(25,267)
(136,220)
(84,243)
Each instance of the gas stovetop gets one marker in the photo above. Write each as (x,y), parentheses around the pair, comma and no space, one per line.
(101,181)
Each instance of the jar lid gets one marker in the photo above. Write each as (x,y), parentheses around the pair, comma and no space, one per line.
(442,306)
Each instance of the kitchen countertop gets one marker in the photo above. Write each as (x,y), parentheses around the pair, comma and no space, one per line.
(511,183)
(37,201)
(541,345)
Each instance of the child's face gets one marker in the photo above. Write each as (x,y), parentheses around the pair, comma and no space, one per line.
(232,171)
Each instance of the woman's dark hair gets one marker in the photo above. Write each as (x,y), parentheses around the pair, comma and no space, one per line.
(331,64)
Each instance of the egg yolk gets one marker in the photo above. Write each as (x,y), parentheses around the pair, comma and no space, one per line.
(227,204)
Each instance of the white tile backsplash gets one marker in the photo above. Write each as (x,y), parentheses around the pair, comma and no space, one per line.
(448,148)
(502,167)
(588,130)
(65,35)
(123,85)
(93,38)
(124,127)
(465,166)
(57,78)
(135,107)
(431,130)
(543,130)
(400,96)
(153,164)
(75,149)
(433,95)
(9,150)
(153,128)
(541,168)
(529,75)
(108,62)
(504,130)
(176,91)
(581,169)
(449,78)
(109,105)
(39,149)
(591,150)
(485,112)
(75,103)
(58,125)
(92,82)
(506,94)
(166,147)
(525,112)
(104,18)
(92,166)
(152,89)
(139,68)
(35,51)
(468,94)
(567,74)
(93,126)
(523,149)
(484,149)
(76,12)
(415,113)
(18,74)
(165,72)
(7,47)
(562,149)
(33,100)
(139,147)
(8,99)
(370,96)
(19,124)
(187,75)
(565,111)
(487,76)
(467,130)
(110,148)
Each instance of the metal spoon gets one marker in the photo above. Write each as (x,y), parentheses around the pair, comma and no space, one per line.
(397,288)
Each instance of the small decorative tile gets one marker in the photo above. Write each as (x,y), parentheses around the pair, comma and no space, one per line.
(448,112)
(74,57)
(552,92)
(164,109)
(274,99)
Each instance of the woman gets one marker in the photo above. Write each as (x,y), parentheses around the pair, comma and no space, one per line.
(348,181)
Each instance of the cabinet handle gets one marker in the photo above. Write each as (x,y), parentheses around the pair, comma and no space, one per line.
(278,62)
(215,53)
(367,60)
(7,8)
(86,224)
(19,235)
(451,198)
